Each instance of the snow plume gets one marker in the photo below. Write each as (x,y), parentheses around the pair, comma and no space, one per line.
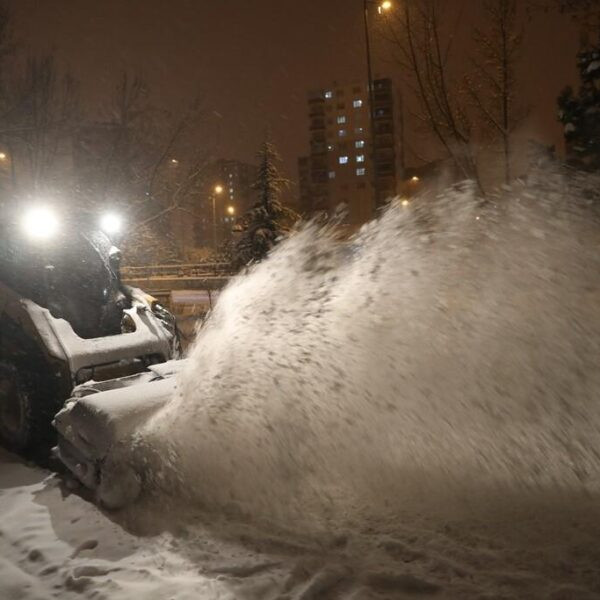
(449,351)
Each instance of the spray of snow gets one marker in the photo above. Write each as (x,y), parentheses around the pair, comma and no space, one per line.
(449,352)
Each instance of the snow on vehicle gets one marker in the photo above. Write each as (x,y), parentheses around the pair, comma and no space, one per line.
(97,429)
(66,319)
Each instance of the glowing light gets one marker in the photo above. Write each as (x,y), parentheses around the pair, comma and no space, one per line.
(218,189)
(40,223)
(385,6)
(111,223)
(3,156)
(231,210)
(405,202)
(415,179)
(174,161)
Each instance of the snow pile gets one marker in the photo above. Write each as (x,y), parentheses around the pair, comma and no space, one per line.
(429,391)
(447,356)
(52,546)
(56,545)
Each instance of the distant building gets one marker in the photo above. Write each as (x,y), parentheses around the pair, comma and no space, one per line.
(235,180)
(347,164)
(305,199)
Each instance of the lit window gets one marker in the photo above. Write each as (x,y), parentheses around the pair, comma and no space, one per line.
(328,94)
(360,158)
(358,130)
(231,190)
(331,174)
(230,175)
(357,103)
(341,119)
(359,144)
(342,132)
(330,147)
(360,172)
(343,160)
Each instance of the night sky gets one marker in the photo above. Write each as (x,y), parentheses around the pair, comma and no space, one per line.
(254,59)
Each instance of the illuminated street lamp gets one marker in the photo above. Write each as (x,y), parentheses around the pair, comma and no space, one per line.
(3,156)
(415,179)
(217,190)
(231,210)
(382,7)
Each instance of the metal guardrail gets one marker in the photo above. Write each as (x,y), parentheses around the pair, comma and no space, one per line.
(177,270)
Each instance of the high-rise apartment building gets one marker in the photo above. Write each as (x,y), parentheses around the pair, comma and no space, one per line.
(348,164)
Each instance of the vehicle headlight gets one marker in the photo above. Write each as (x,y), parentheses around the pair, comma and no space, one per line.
(40,223)
(111,223)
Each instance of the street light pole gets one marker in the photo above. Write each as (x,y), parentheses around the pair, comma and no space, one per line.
(218,189)
(214,219)
(371,98)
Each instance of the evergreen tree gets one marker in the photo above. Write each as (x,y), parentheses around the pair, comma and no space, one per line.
(268,220)
(580,114)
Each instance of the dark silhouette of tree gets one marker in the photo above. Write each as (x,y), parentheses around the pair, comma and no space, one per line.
(580,114)
(493,87)
(268,220)
(423,47)
(147,164)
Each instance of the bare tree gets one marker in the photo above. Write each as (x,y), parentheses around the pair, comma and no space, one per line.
(493,86)
(147,162)
(579,6)
(129,111)
(43,115)
(422,34)
(38,110)
(115,151)
(6,101)
(141,154)
(173,180)
(585,12)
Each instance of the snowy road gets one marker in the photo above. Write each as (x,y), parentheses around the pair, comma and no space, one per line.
(54,545)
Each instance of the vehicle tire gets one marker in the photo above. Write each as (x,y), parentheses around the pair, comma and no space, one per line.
(25,421)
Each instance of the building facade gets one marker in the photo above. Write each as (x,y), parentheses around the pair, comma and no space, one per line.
(233,180)
(349,164)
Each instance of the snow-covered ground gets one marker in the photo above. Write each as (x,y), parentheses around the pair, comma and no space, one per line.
(55,544)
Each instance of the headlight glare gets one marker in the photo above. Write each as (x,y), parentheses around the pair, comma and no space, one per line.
(40,223)
(111,223)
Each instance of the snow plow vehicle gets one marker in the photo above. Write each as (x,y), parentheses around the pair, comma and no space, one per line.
(98,431)
(66,319)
